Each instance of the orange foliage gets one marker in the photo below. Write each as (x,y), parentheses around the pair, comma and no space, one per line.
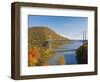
(33,56)
(61,61)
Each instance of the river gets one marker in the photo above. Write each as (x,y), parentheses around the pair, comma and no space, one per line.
(69,56)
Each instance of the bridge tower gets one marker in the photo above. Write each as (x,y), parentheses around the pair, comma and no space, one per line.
(84,37)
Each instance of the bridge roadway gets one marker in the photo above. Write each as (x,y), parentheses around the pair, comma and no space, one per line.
(63,50)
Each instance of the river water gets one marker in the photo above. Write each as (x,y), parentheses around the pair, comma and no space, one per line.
(68,53)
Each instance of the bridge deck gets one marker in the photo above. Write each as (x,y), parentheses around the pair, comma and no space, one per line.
(65,50)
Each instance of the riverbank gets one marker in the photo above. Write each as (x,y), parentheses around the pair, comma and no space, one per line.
(82,54)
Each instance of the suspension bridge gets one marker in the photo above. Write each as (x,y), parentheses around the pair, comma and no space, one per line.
(50,41)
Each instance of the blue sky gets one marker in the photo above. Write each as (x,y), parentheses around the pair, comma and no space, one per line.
(71,27)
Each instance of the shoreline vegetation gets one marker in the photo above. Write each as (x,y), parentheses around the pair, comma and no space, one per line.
(82,54)
(39,49)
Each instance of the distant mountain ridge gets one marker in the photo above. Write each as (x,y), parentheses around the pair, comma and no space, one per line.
(42,33)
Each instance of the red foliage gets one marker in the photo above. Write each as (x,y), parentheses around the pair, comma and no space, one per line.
(33,56)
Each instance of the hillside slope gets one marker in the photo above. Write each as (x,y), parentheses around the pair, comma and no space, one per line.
(40,34)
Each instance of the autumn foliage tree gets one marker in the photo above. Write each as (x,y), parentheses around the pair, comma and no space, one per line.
(33,56)
(61,61)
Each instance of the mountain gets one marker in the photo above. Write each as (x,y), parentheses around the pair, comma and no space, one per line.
(40,34)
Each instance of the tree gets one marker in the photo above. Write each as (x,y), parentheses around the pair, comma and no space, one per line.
(33,56)
(61,60)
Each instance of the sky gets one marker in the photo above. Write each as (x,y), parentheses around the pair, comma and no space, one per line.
(70,27)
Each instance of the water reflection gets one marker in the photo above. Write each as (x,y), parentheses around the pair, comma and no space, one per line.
(69,56)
